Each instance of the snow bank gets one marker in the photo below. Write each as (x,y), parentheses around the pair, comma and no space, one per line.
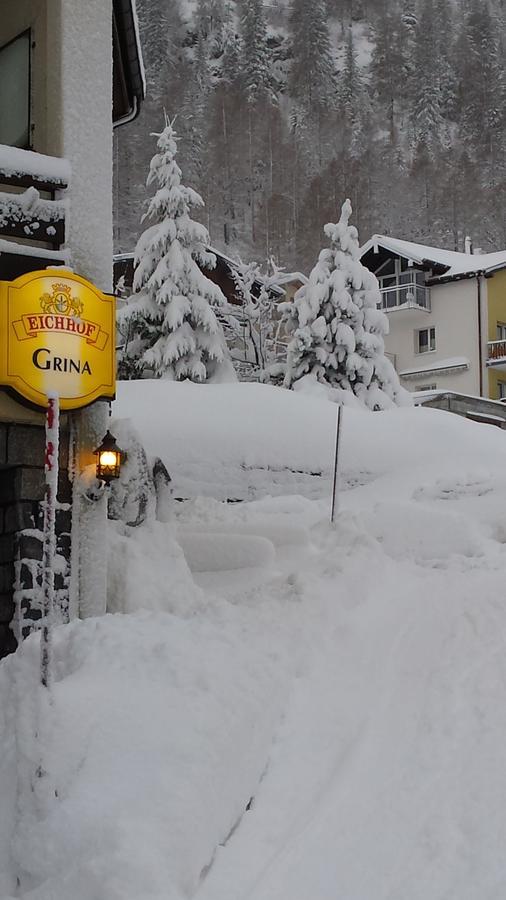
(147,570)
(215,552)
(245,441)
(354,691)
(159,734)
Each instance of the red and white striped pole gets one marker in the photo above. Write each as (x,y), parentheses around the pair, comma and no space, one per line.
(49,547)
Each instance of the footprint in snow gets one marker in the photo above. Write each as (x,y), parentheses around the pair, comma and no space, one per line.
(454,489)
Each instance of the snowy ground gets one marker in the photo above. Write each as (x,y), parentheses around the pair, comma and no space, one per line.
(286,710)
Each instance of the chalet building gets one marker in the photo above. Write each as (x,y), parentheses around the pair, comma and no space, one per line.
(447,315)
(223,274)
(70,70)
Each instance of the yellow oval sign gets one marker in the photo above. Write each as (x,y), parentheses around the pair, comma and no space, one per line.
(57,335)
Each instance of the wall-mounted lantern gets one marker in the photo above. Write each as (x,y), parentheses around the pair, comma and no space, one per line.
(109,459)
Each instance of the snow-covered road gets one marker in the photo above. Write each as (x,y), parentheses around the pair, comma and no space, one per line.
(386,778)
(350,679)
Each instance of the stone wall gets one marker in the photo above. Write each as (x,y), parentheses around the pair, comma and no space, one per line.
(21,524)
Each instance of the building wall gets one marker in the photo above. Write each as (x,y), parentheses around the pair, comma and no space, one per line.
(455,317)
(86,133)
(496,308)
(72,118)
(71,113)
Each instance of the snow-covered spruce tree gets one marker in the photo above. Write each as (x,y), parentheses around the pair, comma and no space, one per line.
(176,332)
(337,326)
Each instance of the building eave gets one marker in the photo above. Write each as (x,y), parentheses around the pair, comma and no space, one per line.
(128,69)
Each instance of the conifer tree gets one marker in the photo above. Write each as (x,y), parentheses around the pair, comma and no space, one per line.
(312,79)
(177,334)
(338,329)
(194,112)
(408,30)
(255,62)
(350,81)
(426,111)
(354,102)
(387,68)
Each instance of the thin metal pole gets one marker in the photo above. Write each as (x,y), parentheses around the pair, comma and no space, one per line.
(335,480)
(49,549)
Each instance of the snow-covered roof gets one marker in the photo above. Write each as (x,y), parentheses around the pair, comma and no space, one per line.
(455,264)
(289,277)
(440,366)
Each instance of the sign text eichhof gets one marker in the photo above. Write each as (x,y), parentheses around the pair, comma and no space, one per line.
(57,335)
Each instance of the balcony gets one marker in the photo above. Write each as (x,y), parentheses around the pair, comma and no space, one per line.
(33,211)
(409,295)
(496,356)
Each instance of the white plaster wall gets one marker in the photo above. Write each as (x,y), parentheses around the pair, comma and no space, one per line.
(85,139)
(454,314)
(86,133)
(72,115)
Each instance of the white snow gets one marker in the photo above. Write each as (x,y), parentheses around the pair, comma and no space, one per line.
(437,365)
(170,319)
(350,680)
(457,263)
(25,162)
(336,328)
(30,250)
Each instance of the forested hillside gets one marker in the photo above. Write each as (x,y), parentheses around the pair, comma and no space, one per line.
(287,106)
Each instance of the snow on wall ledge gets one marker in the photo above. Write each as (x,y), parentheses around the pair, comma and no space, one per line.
(25,162)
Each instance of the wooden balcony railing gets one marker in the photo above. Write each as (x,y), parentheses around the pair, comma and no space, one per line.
(496,352)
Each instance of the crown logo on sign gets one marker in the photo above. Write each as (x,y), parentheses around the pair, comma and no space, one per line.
(61,301)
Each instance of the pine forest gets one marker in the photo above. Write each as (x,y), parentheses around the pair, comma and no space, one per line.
(285,108)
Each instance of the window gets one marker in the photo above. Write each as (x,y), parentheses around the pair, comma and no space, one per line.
(427,387)
(425,340)
(501,331)
(501,385)
(15,92)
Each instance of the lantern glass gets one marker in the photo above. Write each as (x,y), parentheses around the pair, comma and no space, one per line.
(109,458)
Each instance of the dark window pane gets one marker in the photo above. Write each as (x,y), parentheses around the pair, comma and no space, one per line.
(15,92)
(387,268)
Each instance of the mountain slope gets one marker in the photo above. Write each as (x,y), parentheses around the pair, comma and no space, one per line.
(400,105)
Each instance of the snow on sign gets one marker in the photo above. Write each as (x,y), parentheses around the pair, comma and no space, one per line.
(57,336)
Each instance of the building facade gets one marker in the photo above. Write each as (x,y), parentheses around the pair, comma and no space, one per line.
(447,315)
(68,69)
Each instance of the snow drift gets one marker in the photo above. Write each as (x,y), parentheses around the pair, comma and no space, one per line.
(334,732)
